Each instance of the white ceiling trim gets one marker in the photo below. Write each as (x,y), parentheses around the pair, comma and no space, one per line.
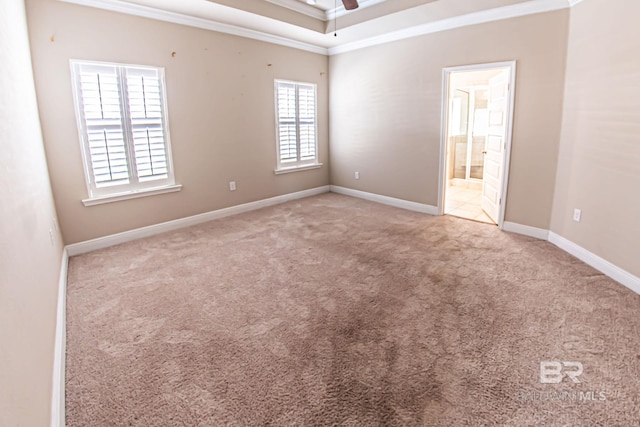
(329,15)
(506,12)
(303,8)
(192,21)
(341,11)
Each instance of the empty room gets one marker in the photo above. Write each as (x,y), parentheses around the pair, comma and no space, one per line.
(320,212)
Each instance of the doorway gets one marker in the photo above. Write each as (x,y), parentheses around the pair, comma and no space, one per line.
(476,139)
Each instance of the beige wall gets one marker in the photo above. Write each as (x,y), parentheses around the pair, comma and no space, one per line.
(29,261)
(385,116)
(386,110)
(599,161)
(221,113)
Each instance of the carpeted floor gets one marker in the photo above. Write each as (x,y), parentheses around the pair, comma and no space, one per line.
(337,311)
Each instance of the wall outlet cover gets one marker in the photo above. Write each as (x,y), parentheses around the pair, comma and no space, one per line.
(577,214)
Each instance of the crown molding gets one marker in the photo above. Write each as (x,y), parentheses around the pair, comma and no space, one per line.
(302,8)
(341,11)
(316,13)
(506,12)
(192,21)
(513,11)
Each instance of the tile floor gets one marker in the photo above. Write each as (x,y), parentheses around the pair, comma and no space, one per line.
(464,202)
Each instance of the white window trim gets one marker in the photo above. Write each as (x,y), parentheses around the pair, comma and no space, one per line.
(110,198)
(131,190)
(288,167)
(297,168)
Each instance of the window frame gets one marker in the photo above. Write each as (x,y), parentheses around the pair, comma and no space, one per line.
(298,164)
(135,187)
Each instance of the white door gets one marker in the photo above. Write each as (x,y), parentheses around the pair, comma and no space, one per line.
(495,146)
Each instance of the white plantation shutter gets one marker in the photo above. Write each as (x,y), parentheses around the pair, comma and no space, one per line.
(296,123)
(145,105)
(287,126)
(307,115)
(122,122)
(104,128)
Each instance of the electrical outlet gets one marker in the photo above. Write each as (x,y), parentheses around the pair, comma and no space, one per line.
(232,186)
(357,175)
(577,214)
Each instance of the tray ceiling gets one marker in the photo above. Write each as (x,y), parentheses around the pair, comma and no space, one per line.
(311,27)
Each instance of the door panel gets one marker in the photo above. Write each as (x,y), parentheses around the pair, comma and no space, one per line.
(496,118)
(495,150)
(494,142)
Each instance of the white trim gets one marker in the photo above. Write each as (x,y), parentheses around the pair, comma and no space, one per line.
(192,21)
(302,8)
(109,198)
(152,230)
(297,168)
(616,273)
(484,16)
(120,72)
(324,15)
(508,140)
(386,200)
(500,13)
(299,162)
(442,182)
(444,132)
(57,394)
(525,230)
(341,11)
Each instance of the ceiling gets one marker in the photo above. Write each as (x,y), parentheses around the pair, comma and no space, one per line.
(323,28)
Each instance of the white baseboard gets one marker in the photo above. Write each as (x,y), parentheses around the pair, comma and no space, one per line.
(385,200)
(525,230)
(152,230)
(616,273)
(57,395)
(611,270)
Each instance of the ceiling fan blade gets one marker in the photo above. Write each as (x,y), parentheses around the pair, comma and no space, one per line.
(350,4)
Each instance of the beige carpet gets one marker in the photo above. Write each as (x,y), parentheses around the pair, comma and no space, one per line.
(337,311)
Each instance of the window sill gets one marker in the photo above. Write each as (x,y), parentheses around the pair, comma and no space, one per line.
(297,168)
(131,195)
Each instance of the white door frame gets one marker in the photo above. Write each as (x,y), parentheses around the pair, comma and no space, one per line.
(444,130)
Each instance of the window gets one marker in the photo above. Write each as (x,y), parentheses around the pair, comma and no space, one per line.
(296,125)
(122,119)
